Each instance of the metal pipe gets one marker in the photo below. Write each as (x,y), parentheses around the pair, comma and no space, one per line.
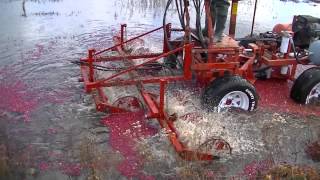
(209,20)
(137,37)
(140,65)
(162,94)
(123,28)
(166,37)
(187,23)
(188,61)
(254,17)
(90,62)
(127,57)
(233,18)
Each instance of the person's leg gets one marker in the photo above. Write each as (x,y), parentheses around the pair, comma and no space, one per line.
(221,14)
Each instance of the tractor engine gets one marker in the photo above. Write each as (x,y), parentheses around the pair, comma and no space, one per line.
(307,34)
(306,30)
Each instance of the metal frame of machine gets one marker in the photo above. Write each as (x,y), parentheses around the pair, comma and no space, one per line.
(238,61)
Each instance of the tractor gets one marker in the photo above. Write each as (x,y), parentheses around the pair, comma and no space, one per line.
(228,70)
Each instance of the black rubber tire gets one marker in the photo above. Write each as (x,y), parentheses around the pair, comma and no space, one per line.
(304,84)
(220,87)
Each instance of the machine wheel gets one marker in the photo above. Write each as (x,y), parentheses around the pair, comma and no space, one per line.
(306,89)
(215,145)
(129,103)
(230,92)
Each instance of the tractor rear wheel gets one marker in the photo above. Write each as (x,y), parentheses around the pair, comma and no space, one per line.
(306,89)
(230,92)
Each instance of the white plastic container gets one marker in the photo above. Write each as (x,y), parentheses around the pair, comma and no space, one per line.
(284,70)
(284,44)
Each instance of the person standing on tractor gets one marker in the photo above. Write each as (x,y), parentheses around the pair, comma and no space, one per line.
(219,13)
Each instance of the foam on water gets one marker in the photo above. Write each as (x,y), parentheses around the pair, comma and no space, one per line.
(195,130)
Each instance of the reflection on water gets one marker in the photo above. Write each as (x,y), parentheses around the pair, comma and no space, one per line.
(46,120)
(135,12)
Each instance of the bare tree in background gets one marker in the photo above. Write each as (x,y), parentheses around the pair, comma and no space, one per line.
(24,14)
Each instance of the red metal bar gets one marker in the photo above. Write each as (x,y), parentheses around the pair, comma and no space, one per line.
(90,62)
(166,38)
(278,62)
(99,101)
(233,18)
(102,95)
(188,61)
(172,136)
(127,57)
(123,28)
(196,156)
(85,76)
(140,65)
(175,142)
(246,70)
(121,82)
(246,65)
(293,72)
(211,66)
(223,50)
(187,30)
(209,20)
(162,93)
(151,104)
(168,29)
(132,39)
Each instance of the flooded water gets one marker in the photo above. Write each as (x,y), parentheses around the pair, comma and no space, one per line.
(49,128)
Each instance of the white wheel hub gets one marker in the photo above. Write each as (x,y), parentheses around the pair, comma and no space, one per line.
(236,99)
(314,94)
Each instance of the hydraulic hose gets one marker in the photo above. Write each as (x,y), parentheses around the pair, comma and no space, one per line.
(181,9)
(295,51)
(171,61)
(197,5)
(181,13)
